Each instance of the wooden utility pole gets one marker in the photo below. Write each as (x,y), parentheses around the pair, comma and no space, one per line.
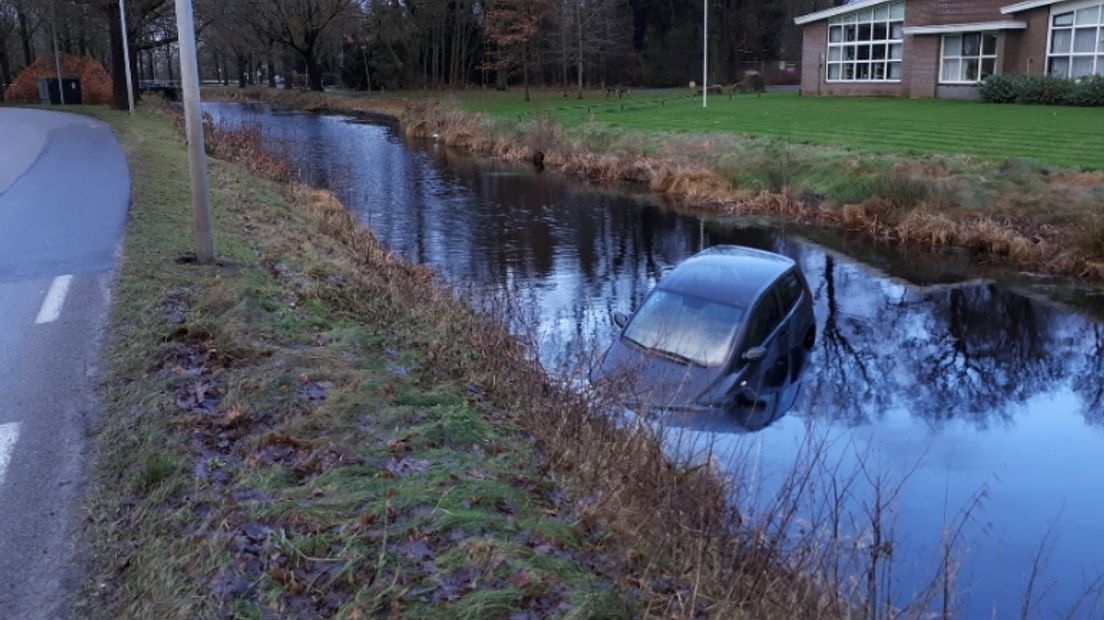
(197,157)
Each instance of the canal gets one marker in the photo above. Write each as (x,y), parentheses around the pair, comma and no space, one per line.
(974,393)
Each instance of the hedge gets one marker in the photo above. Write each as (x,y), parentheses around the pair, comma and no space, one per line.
(1043,90)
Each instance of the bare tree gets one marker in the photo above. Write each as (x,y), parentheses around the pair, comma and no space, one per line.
(306,26)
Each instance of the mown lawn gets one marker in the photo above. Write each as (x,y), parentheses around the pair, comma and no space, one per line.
(1061,136)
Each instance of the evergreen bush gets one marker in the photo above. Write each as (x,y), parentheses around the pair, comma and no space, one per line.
(1000,89)
(1088,91)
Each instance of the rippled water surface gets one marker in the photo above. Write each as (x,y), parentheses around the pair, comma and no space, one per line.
(974,393)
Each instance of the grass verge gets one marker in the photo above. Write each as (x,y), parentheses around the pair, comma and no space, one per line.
(1006,210)
(312,428)
(281,439)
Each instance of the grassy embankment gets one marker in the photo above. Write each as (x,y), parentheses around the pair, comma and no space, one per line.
(1017,184)
(312,428)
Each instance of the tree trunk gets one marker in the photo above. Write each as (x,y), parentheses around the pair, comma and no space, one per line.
(314,71)
(241,71)
(579,49)
(25,36)
(525,69)
(135,76)
(271,70)
(5,68)
(289,70)
(119,99)
(169,61)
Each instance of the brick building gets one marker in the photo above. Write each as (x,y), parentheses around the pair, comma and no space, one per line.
(944,48)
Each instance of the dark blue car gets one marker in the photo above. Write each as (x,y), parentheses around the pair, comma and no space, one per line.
(729,329)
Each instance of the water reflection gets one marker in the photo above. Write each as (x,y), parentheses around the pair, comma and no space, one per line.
(984,386)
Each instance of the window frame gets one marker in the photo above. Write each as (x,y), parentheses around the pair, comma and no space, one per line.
(769,297)
(887,61)
(980,57)
(1097,55)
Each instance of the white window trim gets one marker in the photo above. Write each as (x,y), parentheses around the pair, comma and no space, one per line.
(980,58)
(967,28)
(846,10)
(1073,7)
(839,10)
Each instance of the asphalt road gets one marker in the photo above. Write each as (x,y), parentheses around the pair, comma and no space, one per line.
(64,194)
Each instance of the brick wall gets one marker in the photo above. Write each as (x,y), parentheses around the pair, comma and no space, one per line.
(943,12)
(1025,50)
(815,46)
(921,67)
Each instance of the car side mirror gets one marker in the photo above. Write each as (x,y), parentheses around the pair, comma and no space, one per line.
(620,319)
(755,354)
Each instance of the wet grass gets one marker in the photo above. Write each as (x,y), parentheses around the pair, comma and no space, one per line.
(280,441)
(1058,136)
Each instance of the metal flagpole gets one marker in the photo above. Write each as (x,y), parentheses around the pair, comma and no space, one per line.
(197,158)
(126,56)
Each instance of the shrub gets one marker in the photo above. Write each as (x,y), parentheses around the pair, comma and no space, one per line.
(1092,239)
(902,192)
(1044,90)
(1000,89)
(1088,91)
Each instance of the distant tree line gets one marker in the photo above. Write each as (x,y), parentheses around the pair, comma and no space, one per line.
(402,44)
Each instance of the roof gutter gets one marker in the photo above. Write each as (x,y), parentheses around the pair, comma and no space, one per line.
(1020,7)
(839,10)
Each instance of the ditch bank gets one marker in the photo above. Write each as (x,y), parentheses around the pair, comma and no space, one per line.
(1013,213)
(314,428)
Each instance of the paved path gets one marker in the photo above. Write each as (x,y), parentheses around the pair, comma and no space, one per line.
(64,192)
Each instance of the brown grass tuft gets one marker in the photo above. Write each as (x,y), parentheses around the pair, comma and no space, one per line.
(691,182)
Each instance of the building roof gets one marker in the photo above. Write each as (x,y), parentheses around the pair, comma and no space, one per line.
(727,274)
(839,10)
(1018,7)
(1027,6)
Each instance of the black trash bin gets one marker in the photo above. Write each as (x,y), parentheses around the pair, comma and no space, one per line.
(48,90)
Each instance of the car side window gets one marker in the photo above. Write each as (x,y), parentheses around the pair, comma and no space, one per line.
(789,290)
(766,317)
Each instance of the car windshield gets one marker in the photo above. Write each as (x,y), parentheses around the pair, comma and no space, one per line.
(687,328)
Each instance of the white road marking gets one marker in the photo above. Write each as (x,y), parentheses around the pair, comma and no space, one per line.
(9,433)
(55,298)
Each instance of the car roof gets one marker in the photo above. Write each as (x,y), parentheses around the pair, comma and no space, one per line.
(727,274)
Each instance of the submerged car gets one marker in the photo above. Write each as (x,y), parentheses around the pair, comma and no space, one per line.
(729,329)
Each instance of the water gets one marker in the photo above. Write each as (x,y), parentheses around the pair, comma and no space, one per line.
(965,386)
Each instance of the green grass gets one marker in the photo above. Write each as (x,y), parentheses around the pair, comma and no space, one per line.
(322,482)
(1062,136)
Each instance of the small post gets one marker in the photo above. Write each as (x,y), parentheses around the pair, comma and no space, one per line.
(705,54)
(197,157)
(126,56)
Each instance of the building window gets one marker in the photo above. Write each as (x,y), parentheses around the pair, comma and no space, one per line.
(867,45)
(968,58)
(1077,42)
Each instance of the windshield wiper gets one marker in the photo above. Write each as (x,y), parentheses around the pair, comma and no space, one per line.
(675,357)
(670,355)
